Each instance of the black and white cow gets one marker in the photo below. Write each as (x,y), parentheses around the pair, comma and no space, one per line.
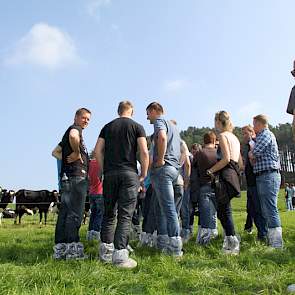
(27,200)
(6,198)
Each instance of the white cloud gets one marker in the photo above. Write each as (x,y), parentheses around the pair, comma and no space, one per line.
(175,85)
(94,6)
(45,46)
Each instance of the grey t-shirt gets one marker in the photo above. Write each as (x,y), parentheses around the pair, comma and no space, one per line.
(172,154)
(291,104)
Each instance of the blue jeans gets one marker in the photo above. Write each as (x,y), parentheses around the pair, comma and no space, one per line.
(207,208)
(163,179)
(74,191)
(268,186)
(289,204)
(255,211)
(185,211)
(97,208)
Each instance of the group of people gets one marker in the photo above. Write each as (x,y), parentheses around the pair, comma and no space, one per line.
(156,186)
(171,180)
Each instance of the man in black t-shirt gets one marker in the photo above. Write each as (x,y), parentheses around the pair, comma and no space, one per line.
(74,169)
(115,151)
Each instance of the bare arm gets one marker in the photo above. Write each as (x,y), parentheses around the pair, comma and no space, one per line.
(57,152)
(74,139)
(162,146)
(144,157)
(99,154)
(225,155)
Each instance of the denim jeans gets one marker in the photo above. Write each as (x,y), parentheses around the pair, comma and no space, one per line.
(97,208)
(255,213)
(268,186)
(149,224)
(74,191)
(163,179)
(120,189)
(289,205)
(207,208)
(186,209)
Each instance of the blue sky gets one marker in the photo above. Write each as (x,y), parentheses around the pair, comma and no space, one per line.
(195,57)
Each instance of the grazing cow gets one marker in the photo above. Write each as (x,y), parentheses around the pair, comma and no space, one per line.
(6,198)
(26,200)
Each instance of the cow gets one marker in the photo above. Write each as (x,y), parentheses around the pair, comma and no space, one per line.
(6,198)
(26,200)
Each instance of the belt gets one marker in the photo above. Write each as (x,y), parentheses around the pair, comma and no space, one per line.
(267,171)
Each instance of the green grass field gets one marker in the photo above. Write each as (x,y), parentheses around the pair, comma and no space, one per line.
(27,267)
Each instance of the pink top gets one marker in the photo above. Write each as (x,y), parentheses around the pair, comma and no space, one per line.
(95,185)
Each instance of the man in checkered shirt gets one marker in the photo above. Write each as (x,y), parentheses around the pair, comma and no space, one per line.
(265,156)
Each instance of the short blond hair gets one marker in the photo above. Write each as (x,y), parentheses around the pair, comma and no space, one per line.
(224,118)
(124,106)
(262,119)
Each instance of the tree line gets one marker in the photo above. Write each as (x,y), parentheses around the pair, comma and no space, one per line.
(283,133)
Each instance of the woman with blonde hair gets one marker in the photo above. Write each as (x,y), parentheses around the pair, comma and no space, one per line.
(226,170)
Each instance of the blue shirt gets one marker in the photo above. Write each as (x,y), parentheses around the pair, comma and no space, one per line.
(266,152)
(172,154)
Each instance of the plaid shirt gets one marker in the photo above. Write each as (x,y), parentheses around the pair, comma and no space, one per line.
(266,152)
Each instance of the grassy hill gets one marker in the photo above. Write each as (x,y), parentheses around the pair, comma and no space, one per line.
(26,266)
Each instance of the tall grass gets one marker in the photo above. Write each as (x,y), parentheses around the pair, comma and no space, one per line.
(27,267)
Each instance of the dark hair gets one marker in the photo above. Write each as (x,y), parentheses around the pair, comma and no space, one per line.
(124,106)
(155,106)
(81,111)
(209,137)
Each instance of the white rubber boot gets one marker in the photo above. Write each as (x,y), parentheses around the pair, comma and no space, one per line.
(121,259)
(105,252)
(231,245)
(275,239)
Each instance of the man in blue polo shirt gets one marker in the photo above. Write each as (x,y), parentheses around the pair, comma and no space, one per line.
(164,173)
(265,156)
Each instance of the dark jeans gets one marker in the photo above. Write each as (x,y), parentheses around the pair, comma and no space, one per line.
(97,208)
(254,213)
(149,224)
(70,215)
(120,189)
(224,214)
(137,215)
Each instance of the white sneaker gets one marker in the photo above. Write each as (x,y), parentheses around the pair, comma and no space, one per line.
(121,259)
(231,245)
(105,252)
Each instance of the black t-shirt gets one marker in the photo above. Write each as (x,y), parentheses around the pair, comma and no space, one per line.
(120,137)
(205,159)
(76,168)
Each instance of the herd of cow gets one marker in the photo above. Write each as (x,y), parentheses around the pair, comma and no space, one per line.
(28,201)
